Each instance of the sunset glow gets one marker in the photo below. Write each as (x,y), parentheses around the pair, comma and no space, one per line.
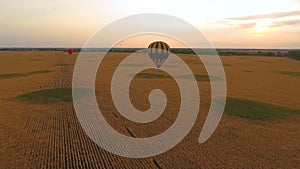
(63,23)
(262,26)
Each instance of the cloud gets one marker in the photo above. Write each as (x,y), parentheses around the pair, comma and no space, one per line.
(273,24)
(298,1)
(285,23)
(246,25)
(272,15)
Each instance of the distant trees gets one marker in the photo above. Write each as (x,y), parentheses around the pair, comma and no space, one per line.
(295,54)
(259,53)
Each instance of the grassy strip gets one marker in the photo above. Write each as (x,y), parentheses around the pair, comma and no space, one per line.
(48,95)
(150,75)
(289,73)
(16,75)
(198,77)
(51,95)
(264,61)
(295,57)
(62,64)
(37,59)
(192,62)
(255,110)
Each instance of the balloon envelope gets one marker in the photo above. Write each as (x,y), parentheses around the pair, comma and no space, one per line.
(158,52)
(70,51)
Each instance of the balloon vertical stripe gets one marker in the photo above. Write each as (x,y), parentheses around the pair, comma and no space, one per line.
(158,52)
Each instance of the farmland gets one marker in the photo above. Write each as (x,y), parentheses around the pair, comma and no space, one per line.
(45,133)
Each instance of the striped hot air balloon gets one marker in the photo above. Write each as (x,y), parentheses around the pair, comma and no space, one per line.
(158,52)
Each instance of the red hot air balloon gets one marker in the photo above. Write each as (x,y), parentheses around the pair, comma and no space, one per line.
(70,51)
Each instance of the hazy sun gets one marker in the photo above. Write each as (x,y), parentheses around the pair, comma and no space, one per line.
(262,26)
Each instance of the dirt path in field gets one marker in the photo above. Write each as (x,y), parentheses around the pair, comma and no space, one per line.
(50,136)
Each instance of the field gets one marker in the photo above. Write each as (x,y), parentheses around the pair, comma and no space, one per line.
(39,129)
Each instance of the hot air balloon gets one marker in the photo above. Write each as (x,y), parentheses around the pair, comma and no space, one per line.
(158,52)
(70,51)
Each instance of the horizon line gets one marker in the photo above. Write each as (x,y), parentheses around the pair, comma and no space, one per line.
(245,48)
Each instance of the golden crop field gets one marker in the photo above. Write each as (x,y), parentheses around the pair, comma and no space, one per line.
(39,132)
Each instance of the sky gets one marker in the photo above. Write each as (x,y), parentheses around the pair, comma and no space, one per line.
(227,24)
